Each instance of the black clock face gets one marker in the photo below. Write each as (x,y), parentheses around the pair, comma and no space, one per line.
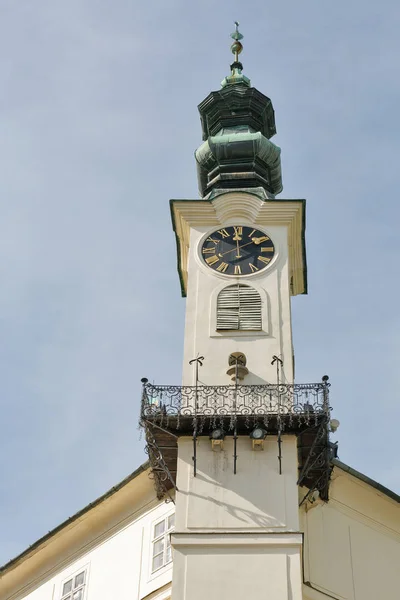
(237,250)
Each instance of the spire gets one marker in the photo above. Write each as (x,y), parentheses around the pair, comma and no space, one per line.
(236,47)
(238,122)
(236,75)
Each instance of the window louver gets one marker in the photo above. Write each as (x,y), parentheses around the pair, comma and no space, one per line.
(239,308)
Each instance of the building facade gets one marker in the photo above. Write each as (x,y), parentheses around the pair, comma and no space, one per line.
(246,494)
(117,547)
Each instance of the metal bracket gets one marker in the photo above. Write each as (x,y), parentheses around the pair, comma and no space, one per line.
(160,470)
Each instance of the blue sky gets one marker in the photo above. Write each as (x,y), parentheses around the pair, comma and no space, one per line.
(98,126)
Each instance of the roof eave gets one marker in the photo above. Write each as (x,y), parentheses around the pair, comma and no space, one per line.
(44,539)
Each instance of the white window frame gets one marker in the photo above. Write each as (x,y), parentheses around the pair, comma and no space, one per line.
(82,586)
(165,536)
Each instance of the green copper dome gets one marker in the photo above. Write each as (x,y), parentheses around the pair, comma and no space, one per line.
(238,122)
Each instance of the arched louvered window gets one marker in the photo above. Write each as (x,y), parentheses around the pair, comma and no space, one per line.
(239,308)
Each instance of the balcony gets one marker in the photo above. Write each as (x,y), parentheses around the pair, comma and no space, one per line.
(168,412)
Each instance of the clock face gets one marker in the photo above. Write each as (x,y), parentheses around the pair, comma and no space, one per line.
(237,250)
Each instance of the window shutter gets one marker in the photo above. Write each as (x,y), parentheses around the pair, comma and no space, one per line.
(249,308)
(228,308)
(239,308)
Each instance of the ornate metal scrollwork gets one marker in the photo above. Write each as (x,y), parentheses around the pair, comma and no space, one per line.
(160,472)
(302,409)
(306,402)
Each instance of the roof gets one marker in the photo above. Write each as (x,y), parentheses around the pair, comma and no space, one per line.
(381,488)
(74,517)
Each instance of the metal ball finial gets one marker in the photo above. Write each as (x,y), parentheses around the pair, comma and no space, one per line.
(236,47)
(236,77)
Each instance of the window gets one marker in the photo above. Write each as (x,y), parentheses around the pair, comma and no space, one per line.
(73,588)
(162,554)
(239,308)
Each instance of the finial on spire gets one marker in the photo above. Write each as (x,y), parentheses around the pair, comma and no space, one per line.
(236,47)
(236,75)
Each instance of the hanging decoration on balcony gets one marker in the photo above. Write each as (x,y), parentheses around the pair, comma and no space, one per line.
(170,411)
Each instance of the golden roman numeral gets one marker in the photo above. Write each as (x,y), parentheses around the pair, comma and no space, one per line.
(222,267)
(224,233)
(238,230)
(208,250)
(211,260)
(238,270)
(266,249)
(251,232)
(210,239)
(264,259)
(253,268)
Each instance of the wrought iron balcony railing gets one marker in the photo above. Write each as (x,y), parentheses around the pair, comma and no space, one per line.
(299,403)
(301,409)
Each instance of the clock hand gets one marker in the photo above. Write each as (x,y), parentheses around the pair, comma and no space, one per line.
(238,255)
(243,246)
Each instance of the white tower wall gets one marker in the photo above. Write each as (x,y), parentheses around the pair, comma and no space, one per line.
(201,336)
(237,534)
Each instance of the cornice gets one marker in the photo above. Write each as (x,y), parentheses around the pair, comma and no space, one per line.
(241,207)
(227,538)
(161,594)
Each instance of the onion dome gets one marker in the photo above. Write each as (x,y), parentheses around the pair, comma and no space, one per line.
(238,122)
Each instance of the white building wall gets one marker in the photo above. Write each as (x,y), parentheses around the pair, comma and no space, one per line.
(235,532)
(118,567)
(257,498)
(352,543)
(236,567)
(201,337)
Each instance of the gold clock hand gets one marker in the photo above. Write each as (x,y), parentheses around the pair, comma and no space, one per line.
(238,255)
(232,249)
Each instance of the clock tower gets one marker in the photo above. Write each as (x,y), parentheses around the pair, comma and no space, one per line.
(241,253)
(238,446)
